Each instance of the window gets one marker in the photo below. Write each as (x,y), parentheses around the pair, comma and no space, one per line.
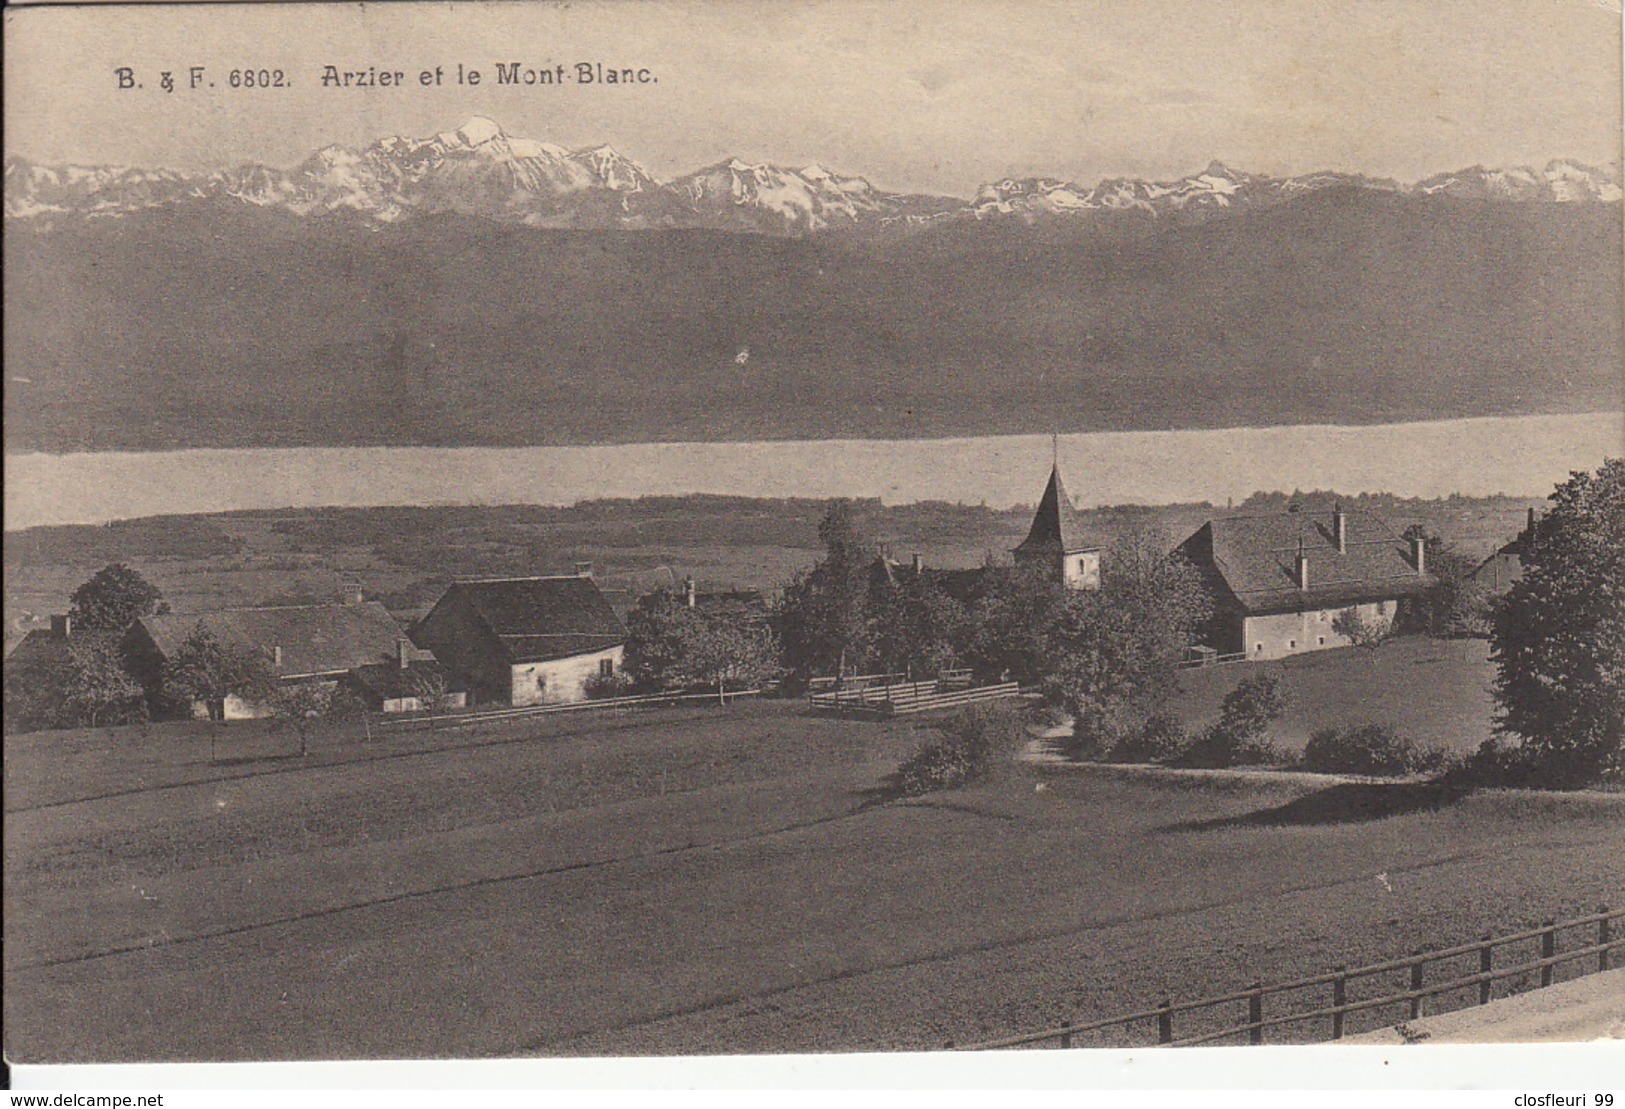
(606,668)
(1324,616)
(1323,641)
(1259,647)
(1291,643)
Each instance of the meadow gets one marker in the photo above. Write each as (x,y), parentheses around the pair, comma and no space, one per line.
(699,880)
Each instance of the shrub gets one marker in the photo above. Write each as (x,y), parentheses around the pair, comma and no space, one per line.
(1368,749)
(599,687)
(1238,738)
(1161,738)
(965,750)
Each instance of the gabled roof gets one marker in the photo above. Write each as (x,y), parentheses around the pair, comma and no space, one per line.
(541,619)
(1256,558)
(315,639)
(1055,529)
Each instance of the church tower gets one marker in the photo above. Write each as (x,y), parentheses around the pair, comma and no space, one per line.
(1055,541)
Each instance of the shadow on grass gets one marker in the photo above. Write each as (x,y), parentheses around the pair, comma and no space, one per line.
(1346,803)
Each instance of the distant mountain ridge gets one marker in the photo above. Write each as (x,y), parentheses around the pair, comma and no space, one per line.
(479,170)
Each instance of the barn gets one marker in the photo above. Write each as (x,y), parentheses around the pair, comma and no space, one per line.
(524,641)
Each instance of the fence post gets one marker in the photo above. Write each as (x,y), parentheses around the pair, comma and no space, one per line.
(1066,1039)
(1603,938)
(1548,945)
(1165,1021)
(1339,999)
(1255,1013)
(1486,959)
(1416,984)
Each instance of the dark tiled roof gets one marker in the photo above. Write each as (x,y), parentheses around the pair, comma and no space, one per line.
(390,680)
(1055,524)
(540,619)
(39,647)
(1256,556)
(315,639)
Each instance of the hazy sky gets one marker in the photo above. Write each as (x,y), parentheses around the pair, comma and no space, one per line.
(936,95)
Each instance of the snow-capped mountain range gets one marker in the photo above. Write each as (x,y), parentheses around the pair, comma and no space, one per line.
(478,169)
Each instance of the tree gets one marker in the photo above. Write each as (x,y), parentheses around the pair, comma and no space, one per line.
(917,627)
(1245,715)
(1558,638)
(672,646)
(299,705)
(1353,626)
(85,684)
(823,620)
(113,599)
(208,671)
(1454,605)
(432,692)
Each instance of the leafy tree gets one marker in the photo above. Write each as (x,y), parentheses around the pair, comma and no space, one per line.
(917,627)
(673,646)
(432,692)
(1245,715)
(1454,605)
(1558,637)
(206,670)
(1011,618)
(823,620)
(1352,625)
(113,599)
(299,705)
(86,685)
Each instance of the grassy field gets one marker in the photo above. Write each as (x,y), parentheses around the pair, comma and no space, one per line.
(1434,691)
(698,880)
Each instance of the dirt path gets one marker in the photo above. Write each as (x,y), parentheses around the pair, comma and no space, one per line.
(1589,1008)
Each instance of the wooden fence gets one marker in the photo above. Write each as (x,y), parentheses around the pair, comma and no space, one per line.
(1334,989)
(487,716)
(1202,661)
(865,696)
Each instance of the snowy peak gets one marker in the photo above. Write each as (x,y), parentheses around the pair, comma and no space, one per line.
(479,169)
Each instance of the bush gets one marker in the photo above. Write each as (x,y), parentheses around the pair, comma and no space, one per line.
(1368,749)
(1161,738)
(1238,739)
(965,750)
(599,687)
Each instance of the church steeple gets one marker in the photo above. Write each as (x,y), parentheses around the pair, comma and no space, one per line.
(1056,538)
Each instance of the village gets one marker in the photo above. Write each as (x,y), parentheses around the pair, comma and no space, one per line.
(594,785)
(1275,586)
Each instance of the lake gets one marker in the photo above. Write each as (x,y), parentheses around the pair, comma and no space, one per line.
(1518,455)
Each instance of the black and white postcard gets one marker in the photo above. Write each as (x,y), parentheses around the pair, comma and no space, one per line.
(718,527)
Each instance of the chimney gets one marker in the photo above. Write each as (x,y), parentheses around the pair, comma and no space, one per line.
(1340,528)
(919,564)
(276,656)
(350,593)
(62,626)
(583,569)
(403,652)
(1530,527)
(1303,565)
(1419,553)
(691,593)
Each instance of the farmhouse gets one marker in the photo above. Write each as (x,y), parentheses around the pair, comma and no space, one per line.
(1056,541)
(1278,582)
(524,641)
(302,643)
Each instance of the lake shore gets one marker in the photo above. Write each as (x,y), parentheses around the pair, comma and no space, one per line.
(1517,455)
